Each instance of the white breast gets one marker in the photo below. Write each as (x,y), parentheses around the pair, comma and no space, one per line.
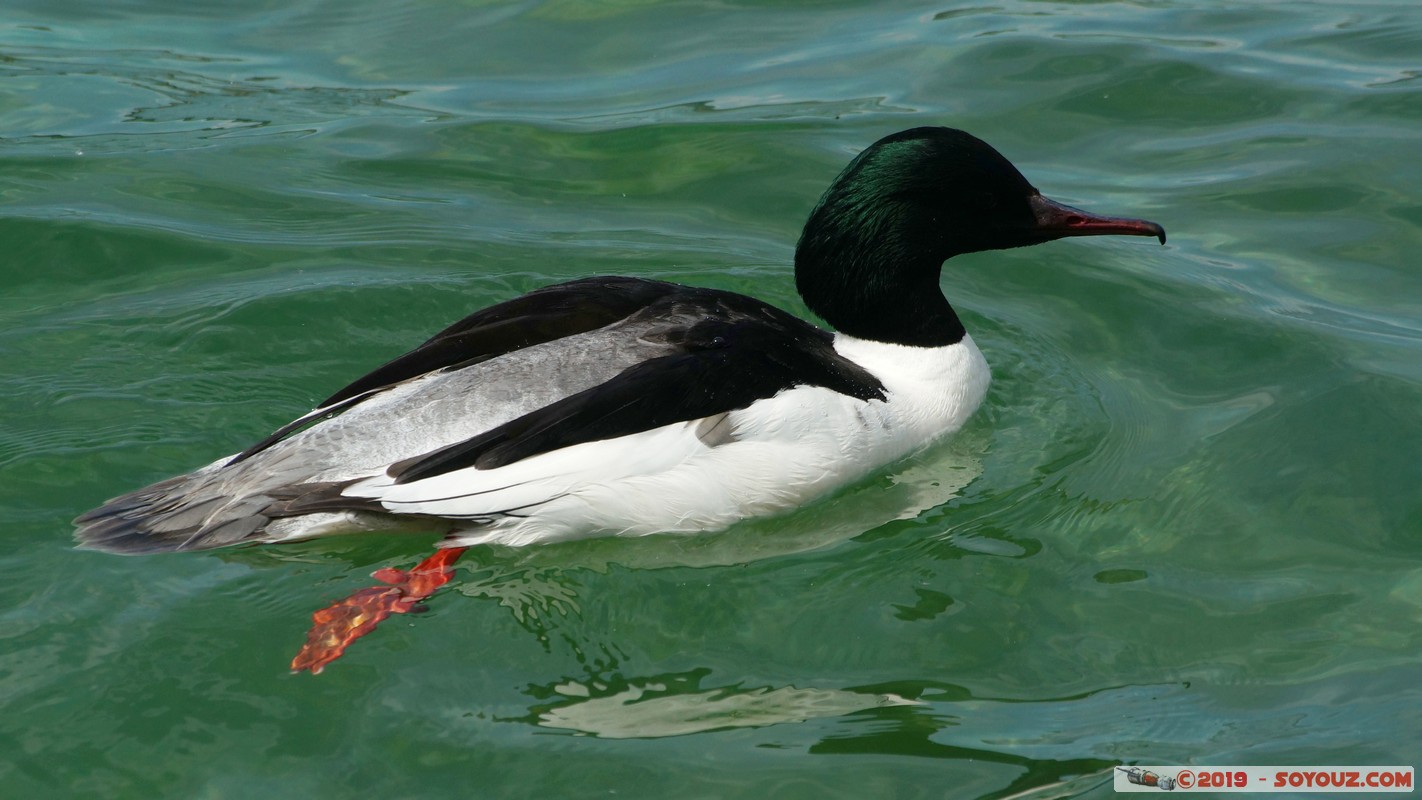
(931,391)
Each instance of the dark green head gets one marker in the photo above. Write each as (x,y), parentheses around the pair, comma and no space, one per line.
(868,261)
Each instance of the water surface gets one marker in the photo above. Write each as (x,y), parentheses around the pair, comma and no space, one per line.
(1185,527)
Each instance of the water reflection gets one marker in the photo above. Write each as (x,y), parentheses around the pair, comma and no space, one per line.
(677,704)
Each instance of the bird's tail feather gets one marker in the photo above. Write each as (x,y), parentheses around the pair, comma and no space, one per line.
(189,512)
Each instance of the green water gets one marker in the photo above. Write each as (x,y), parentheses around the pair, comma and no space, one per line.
(1186,527)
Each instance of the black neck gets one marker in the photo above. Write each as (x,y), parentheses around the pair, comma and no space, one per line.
(881,292)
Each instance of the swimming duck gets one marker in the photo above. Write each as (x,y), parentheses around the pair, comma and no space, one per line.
(625,406)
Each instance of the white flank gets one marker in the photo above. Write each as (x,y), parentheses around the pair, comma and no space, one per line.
(782,452)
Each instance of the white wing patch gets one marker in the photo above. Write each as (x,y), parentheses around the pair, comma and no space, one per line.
(518,488)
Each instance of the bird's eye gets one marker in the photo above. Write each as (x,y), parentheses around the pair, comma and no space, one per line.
(988,202)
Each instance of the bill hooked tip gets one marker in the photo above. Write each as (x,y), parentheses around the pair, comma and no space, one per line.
(1058,221)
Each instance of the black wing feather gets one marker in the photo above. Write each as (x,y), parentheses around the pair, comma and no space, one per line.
(541,316)
(741,351)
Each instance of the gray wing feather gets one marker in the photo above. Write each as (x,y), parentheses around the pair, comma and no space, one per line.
(230,501)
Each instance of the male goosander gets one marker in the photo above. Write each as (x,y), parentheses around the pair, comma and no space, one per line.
(623,406)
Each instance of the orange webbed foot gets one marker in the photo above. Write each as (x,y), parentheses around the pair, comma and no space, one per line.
(337,625)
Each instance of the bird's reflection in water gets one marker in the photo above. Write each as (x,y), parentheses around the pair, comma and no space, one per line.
(677,704)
